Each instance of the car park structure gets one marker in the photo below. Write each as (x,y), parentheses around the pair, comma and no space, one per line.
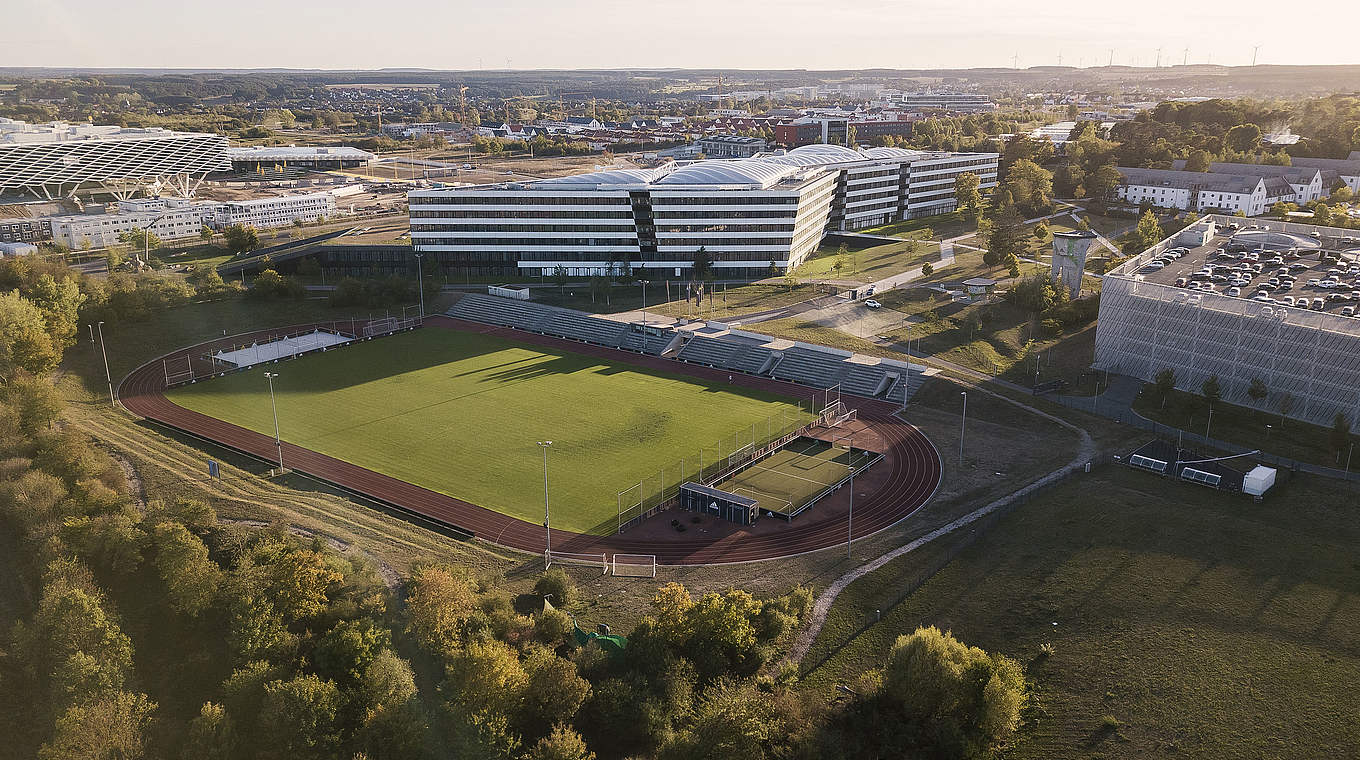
(1290,323)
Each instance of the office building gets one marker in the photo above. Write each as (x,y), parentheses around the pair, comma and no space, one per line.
(57,159)
(167,219)
(730,146)
(939,101)
(750,215)
(266,213)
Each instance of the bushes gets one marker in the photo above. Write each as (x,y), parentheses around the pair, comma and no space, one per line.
(269,285)
(557,584)
(386,291)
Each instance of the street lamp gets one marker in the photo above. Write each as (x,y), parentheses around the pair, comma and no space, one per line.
(420,283)
(547,522)
(107,376)
(963,426)
(644,284)
(146,240)
(278,443)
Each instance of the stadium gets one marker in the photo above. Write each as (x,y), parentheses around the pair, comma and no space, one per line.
(445,420)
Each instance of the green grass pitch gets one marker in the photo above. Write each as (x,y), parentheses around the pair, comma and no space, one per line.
(793,475)
(461,413)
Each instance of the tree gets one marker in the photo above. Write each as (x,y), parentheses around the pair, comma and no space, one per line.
(1339,437)
(1030,186)
(393,724)
(1322,214)
(1149,230)
(553,694)
(439,603)
(140,239)
(345,653)
(182,562)
(1257,390)
(555,583)
(1006,238)
(561,744)
(732,721)
(1101,183)
(967,197)
(241,238)
(1198,161)
(1211,390)
(212,735)
(964,699)
(298,718)
(703,264)
(24,340)
(485,678)
(1342,194)
(1244,137)
(205,233)
(1041,231)
(927,269)
(561,278)
(109,727)
(1164,383)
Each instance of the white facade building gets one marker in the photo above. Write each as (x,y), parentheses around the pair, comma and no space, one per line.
(750,215)
(167,219)
(265,213)
(1193,191)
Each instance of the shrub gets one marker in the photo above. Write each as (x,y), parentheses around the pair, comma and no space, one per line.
(557,583)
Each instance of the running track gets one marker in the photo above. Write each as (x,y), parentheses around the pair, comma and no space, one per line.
(913,462)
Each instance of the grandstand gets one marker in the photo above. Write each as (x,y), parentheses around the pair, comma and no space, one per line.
(711,346)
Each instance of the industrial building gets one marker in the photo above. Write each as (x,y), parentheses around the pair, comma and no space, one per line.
(1297,335)
(259,157)
(57,159)
(750,215)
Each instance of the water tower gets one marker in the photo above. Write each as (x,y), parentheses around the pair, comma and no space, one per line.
(1069,258)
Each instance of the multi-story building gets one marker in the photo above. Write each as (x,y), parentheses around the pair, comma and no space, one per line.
(942,101)
(1303,346)
(54,160)
(1196,191)
(730,146)
(25,229)
(265,213)
(750,215)
(289,156)
(1347,170)
(167,219)
(838,130)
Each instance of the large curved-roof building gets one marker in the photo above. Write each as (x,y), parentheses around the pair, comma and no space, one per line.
(56,159)
(752,215)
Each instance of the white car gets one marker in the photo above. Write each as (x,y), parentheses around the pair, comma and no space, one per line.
(872,304)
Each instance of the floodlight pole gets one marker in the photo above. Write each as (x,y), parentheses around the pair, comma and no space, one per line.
(644,284)
(108,377)
(420,283)
(850,520)
(1209,424)
(963,426)
(547,523)
(278,442)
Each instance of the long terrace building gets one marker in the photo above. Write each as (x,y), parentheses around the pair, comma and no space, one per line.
(57,159)
(750,215)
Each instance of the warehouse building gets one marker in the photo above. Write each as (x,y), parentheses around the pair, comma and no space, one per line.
(1300,338)
(750,215)
(269,158)
(57,159)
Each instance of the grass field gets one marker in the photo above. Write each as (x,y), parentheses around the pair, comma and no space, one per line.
(792,476)
(1204,624)
(460,413)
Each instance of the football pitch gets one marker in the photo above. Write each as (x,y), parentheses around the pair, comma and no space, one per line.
(794,475)
(461,413)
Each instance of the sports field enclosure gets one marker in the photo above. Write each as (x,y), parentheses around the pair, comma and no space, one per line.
(461,413)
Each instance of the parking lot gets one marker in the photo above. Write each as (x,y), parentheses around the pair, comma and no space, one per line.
(1321,279)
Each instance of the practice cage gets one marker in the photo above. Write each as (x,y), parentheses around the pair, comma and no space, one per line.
(732,507)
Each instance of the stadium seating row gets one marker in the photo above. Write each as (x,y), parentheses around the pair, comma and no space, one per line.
(562,323)
(800,364)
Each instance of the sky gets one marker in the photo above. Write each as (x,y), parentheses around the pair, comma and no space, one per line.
(730,34)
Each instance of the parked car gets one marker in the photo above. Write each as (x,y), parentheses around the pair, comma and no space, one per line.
(872,304)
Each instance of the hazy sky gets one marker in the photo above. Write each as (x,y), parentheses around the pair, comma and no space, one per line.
(810,34)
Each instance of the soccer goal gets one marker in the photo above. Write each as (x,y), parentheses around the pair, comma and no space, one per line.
(634,565)
(575,558)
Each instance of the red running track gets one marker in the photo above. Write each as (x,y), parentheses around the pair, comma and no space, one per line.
(913,463)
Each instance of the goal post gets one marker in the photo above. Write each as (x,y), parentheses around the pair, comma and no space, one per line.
(634,565)
(600,560)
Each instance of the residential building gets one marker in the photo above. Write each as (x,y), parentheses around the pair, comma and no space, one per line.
(1195,191)
(1347,170)
(730,146)
(56,159)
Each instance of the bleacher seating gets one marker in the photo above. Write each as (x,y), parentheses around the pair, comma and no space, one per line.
(864,379)
(810,367)
(711,351)
(578,326)
(899,386)
(506,312)
(648,342)
(751,360)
